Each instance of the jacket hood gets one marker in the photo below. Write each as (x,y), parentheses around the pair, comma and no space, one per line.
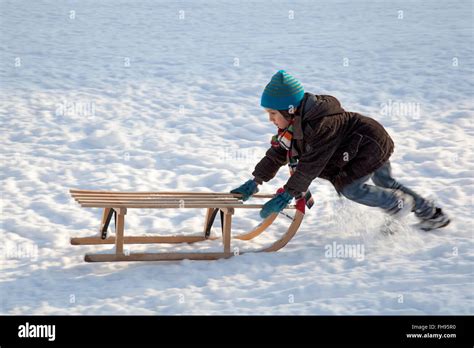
(316,106)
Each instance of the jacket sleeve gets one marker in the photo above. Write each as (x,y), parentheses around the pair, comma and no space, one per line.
(268,167)
(320,147)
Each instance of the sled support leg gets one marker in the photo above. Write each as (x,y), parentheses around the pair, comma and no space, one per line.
(228,212)
(106,217)
(210,217)
(209,212)
(119,230)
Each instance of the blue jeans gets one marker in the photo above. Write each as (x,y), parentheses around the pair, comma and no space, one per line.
(382,194)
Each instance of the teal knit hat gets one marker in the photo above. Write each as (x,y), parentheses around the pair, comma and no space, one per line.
(282,92)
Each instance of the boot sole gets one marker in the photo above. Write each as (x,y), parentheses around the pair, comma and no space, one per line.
(426,229)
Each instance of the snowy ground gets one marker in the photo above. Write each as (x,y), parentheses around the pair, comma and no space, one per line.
(142,95)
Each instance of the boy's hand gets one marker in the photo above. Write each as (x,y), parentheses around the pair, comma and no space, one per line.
(247,189)
(276,204)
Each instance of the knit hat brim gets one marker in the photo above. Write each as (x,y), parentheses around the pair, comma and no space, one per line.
(281,103)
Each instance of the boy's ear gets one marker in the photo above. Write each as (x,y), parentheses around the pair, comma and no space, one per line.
(292,109)
(286,114)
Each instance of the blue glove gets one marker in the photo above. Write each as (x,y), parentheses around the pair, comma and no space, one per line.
(247,189)
(276,204)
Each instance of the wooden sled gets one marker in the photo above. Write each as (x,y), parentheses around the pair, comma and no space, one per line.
(115,204)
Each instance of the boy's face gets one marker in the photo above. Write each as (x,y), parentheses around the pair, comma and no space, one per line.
(277,119)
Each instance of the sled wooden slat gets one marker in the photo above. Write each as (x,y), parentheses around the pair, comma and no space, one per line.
(75,192)
(116,203)
(172,205)
(91,196)
(172,193)
(154,199)
(160,194)
(160,197)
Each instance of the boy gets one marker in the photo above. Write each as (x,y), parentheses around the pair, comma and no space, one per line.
(318,138)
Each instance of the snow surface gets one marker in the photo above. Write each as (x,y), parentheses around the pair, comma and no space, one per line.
(126,95)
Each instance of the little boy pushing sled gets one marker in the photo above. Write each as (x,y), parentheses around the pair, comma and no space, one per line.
(318,138)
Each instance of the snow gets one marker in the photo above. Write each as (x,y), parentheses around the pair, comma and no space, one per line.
(121,95)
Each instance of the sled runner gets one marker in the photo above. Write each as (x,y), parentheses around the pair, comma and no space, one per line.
(116,204)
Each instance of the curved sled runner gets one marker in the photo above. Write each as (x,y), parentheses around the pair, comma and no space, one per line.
(115,204)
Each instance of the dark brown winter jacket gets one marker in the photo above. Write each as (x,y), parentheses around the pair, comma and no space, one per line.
(335,145)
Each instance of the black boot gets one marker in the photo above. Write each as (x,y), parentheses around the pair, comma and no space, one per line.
(437,220)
